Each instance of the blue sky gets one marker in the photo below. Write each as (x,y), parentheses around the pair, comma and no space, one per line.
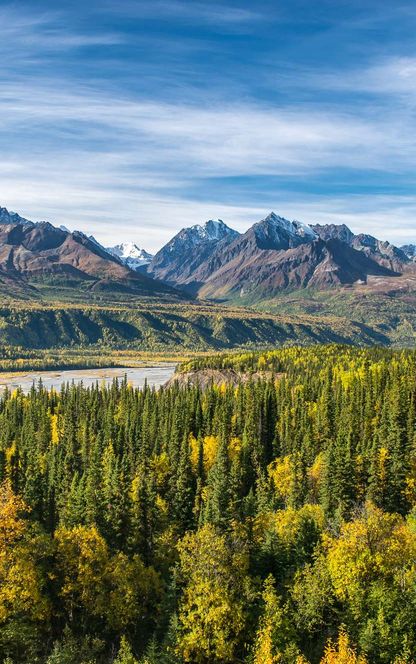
(132,119)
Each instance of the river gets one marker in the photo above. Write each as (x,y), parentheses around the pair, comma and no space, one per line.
(136,376)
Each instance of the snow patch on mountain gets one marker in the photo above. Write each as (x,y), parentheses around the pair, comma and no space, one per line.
(9,217)
(214,230)
(304,230)
(275,232)
(334,232)
(409,250)
(130,254)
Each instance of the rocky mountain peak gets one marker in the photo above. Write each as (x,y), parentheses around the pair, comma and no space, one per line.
(334,232)
(409,250)
(275,232)
(9,217)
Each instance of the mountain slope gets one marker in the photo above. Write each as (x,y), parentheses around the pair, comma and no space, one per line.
(178,261)
(409,250)
(32,253)
(318,264)
(171,328)
(381,252)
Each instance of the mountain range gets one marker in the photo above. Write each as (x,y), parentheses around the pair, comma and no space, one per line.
(32,254)
(209,261)
(273,256)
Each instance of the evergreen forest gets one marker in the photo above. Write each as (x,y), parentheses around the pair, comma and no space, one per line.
(272,521)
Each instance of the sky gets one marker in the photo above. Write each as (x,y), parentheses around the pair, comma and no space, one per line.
(132,119)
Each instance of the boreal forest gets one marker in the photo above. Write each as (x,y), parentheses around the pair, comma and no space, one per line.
(270,520)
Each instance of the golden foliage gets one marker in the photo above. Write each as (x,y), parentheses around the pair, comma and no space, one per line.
(234,448)
(12,526)
(342,652)
(376,545)
(54,429)
(21,583)
(125,654)
(193,452)
(211,613)
(161,467)
(132,589)
(282,474)
(209,451)
(316,475)
(266,650)
(210,448)
(117,588)
(82,559)
(288,523)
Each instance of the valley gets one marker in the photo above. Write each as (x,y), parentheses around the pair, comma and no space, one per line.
(209,288)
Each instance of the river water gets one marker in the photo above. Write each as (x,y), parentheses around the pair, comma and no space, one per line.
(136,376)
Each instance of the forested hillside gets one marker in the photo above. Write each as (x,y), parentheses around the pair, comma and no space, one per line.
(160,327)
(272,522)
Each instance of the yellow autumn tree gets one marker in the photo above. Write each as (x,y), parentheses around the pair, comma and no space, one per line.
(12,526)
(194,451)
(315,477)
(125,653)
(212,611)
(133,591)
(82,560)
(54,429)
(209,449)
(21,581)
(120,589)
(342,652)
(275,636)
(282,474)
(375,546)
(290,523)
(234,448)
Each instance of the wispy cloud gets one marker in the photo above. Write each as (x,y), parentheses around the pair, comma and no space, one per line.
(394,76)
(235,139)
(122,151)
(134,156)
(150,216)
(26,34)
(215,14)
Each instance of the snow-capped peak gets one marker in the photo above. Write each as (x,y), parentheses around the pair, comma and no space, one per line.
(293,227)
(304,230)
(130,254)
(9,217)
(213,229)
(275,232)
(277,220)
